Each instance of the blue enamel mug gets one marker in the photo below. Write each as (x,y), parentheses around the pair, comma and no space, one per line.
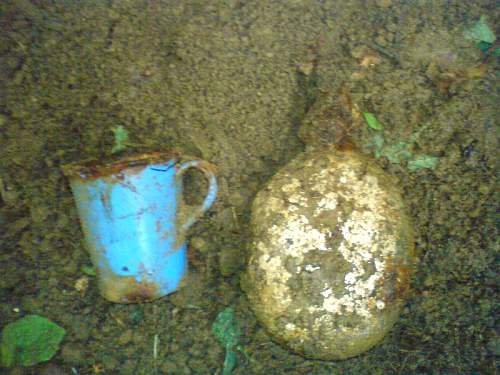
(134,221)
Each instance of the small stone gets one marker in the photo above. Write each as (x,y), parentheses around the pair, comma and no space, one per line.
(306,68)
(381,40)
(227,219)
(226,293)
(198,244)
(129,367)
(383,3)
(125,337)
(230,260)
(72,354)
(429,281)
(82,284)
(71,266)
(192,295)
(169,367)
(30,304)
(80,328)
(237,199)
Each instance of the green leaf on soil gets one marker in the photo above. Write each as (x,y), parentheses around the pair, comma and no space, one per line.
(488,49)
(421,162)
(480,32)
(484,46)
(88,270)
(229,362)
(397,152)
(226,329)
(372,121)
(137,314)
(121,138)
(401,152)
(29,340)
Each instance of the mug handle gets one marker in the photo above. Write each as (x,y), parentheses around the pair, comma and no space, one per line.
(191,214)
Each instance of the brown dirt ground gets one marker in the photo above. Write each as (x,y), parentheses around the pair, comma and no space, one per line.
(231,82)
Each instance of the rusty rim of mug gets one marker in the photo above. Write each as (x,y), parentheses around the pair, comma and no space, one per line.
(95,168)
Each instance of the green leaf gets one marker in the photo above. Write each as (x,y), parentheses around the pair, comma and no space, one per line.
(484,46)
(377,143)
(227,331)
(229,362)
(29,340)
(88,270)
(397,152)
(421,162)
(137,314)
(121,138)
(372,121)
(226,328)
(480,32)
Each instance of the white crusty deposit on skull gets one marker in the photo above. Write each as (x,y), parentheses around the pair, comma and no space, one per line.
(331,241)
(362,244)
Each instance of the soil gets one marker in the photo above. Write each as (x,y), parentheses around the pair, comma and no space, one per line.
(233,83)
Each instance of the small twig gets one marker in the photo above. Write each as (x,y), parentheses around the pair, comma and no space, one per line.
(155,347)
(235,216)
(383,51)
(155,351)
